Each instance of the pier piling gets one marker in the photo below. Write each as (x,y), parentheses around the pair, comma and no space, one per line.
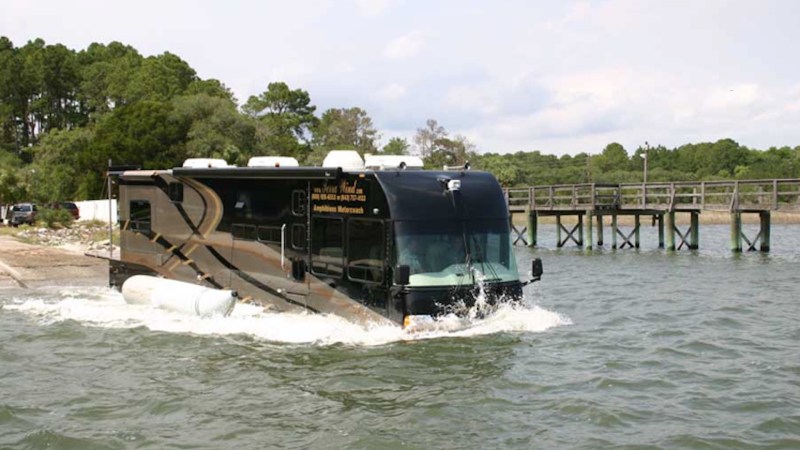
(736,232)
(694,236)
(614,231)
(559,244)
(670,229)
(764,217)
(589,224)
(533,228)
(599,231)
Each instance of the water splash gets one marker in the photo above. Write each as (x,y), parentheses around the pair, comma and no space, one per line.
(99,307)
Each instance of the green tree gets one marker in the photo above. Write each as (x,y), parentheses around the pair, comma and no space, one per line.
(287,115)
(212,88)
(427,138)
(56,168)
(12,184)
(106,73)
(349,128)
(396,146)
(502,167)
(161,78)
(143,133)
(215,129)
(613,158)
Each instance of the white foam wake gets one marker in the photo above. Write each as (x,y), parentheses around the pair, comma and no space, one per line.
(106,308)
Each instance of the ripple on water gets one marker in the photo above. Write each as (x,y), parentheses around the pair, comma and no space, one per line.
(44,438)
(702,348)
(780,425)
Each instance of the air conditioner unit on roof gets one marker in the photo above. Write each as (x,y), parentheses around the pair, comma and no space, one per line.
(346,159)
(272,161)
(393,162)
(197,163)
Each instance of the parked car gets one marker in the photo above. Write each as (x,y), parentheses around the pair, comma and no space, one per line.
(23,213)
(69,206)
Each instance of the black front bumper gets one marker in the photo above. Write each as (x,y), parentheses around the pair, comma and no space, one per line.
(437,301)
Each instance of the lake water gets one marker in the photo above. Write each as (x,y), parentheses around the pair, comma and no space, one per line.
(614,349)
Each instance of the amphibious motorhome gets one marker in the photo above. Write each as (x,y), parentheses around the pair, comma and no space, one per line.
(370,240)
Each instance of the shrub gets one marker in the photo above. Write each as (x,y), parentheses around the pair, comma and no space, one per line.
(54,218)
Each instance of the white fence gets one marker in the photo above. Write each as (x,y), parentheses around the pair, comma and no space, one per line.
(97,210)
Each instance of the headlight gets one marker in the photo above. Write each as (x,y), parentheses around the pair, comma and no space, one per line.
(417,323)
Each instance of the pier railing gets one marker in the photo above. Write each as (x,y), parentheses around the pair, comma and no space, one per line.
(744,195)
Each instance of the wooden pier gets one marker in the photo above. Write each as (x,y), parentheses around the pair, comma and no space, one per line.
(590,203)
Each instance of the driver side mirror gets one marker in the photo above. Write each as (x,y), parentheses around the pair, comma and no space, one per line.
(536,268)
(402,275)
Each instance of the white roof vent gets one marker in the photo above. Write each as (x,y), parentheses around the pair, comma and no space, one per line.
(272,161)
(346,159)
(393,162)
(198,163)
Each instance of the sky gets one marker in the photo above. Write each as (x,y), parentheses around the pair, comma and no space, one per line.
(562,77)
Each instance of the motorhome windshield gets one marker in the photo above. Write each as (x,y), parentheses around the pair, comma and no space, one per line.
(450,253)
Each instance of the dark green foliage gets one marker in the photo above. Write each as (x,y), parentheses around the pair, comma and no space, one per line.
(350,128)
(287,116)
(396,146)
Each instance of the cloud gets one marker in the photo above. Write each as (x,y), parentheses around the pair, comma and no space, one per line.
(390,92)
(406,46)
(372,7)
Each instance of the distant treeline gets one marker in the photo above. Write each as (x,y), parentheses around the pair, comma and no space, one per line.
(65,113)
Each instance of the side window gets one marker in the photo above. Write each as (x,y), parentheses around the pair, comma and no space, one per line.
(366,244)
(140,216)
(269,234)
(298,236)
(299,203)
(327,246)
(175,192)
(243,231)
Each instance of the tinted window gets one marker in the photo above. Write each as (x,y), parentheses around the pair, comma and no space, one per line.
(269,234)
(298,236)
(327,246)
(366,244)
(140,216)
(176,192)
(299,200)
(242,231)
